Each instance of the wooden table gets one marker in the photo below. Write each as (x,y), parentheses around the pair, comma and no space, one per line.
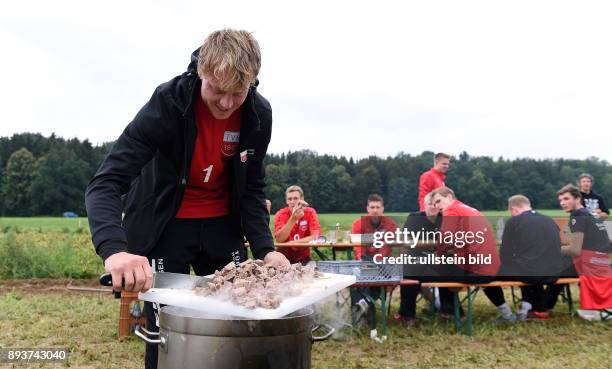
(344,246)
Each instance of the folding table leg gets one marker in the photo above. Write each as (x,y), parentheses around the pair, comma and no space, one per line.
(320,254)
(383,310)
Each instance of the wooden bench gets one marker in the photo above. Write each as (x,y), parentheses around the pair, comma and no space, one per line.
(472,290)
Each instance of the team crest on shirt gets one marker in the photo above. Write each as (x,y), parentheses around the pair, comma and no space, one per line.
(230,143)
(574,221)
(303,225)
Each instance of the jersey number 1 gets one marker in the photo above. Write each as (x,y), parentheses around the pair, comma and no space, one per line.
(208,171)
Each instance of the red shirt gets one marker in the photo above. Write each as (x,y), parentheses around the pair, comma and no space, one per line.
(459,217)
(207,193)
(365,227)
(304,227)
(428,182)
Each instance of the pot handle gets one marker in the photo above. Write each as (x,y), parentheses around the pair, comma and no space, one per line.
(331,329)
(143,334)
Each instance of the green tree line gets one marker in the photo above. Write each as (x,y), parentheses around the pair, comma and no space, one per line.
(48,175)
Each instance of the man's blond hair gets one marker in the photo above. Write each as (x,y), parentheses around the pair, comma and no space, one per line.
(295,188)
(519,201)
(231,57)
(442,191)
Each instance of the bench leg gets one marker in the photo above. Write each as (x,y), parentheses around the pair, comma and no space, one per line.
(432,304)
(570,303)
(515,299)
(456,308)
(470,303)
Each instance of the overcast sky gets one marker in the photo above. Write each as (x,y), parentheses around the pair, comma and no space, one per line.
(498,78)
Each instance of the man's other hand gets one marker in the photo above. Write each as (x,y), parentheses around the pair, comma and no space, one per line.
(133,270)
(276,258)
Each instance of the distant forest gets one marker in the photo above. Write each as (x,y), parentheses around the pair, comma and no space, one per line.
(48,175)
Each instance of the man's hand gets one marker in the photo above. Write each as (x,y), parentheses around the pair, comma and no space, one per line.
(133,270)
(298,210)
(600,213)
(276,258)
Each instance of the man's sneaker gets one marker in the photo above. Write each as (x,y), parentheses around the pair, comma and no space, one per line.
(505,319)
(591,315)
(538,315)
(449,316)
(374,336)
(407,322)
(521,317)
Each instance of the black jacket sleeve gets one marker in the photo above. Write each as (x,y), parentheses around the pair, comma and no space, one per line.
(133,150)
(254,214)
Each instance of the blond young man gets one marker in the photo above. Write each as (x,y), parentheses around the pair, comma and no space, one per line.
(188,174)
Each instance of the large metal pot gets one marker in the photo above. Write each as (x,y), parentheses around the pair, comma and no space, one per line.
(191,339)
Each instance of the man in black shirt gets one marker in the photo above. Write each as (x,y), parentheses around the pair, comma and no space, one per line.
(588,232)
(530,252)
(590,200)
(589,248)
(426,221)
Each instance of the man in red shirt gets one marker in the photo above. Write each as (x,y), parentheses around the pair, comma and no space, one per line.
(433,178)
(472,239)
(187,174)
(298,224)
(374,221)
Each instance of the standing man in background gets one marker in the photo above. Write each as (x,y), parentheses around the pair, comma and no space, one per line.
(590,200)
(433,178)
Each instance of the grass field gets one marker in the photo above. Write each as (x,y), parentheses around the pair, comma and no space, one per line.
(42,313)
(61,247)
(328,221)
(87,325)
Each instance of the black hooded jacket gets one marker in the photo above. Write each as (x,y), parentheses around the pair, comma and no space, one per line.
(146,171)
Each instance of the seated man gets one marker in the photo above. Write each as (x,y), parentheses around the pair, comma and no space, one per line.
(427,221)
(590,248)
(531,253)
(296,224)
(374,221)
(463,259)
